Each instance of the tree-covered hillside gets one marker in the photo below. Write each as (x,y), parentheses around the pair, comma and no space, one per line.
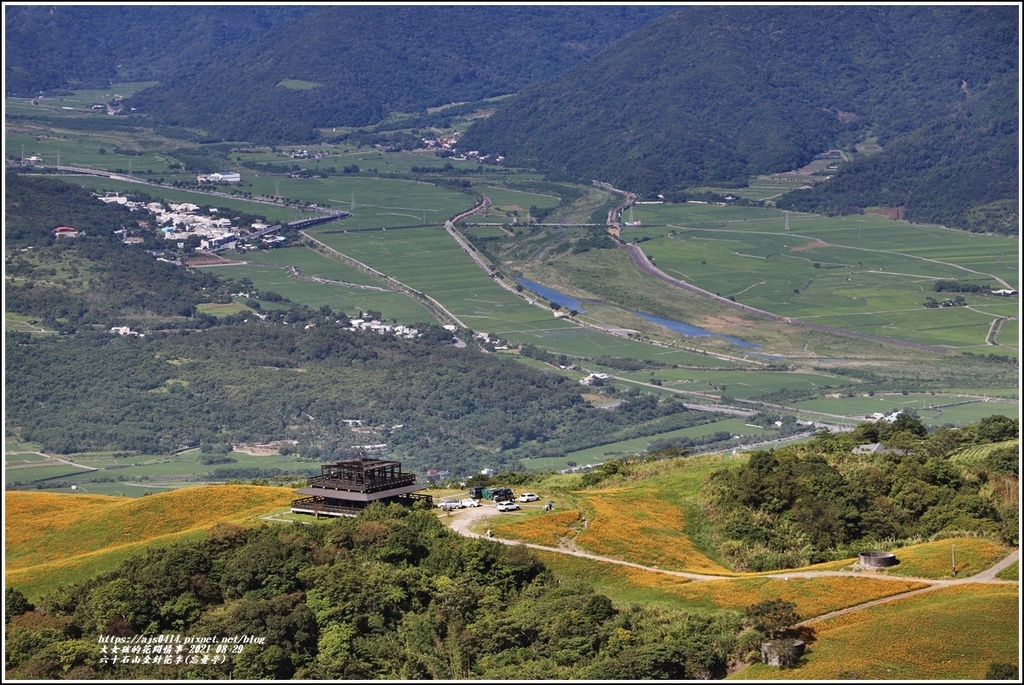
(434,404)
(354,65)
(392,594)
(830,497)
(59,47)
(716,94)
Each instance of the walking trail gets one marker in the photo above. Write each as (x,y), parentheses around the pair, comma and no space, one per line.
(462,521)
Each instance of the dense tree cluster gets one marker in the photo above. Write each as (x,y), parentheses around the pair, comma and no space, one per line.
(434,404)
(34,206)
(392,60)
(393,594)
(961,287)
(803,504)
(50,49)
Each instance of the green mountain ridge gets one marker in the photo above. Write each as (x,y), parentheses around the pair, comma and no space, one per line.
(45,50)
(653,99)
(718,94)
(372,61)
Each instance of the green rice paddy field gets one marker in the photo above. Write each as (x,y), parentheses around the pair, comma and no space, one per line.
(617,450)
(506,199)
(156,471)
(743,384)
(84,150)
(937,410)
(373,202)
(308,262)
(338,297)
(369,160)
(428,260)
(850,272)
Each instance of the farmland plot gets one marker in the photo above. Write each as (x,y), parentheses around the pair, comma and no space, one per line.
(855,273)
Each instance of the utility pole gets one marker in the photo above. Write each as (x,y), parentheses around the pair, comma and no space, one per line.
(953,552)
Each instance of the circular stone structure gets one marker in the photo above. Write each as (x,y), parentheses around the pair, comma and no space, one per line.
(878,559)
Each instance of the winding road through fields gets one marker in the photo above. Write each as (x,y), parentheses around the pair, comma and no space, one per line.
(645,265)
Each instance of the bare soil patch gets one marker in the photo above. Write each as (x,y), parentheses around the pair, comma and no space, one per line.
(813,245)
(210,260)
(262,450)
(890,212)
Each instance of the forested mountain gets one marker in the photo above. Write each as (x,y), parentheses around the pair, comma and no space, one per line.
(715,94)
(653,99)
(353,65)
(220,67)
(48,47)
(434,404)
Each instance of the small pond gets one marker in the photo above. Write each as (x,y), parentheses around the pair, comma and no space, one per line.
(696,331)
(552,295)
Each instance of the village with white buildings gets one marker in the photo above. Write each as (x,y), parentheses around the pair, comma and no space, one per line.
(180,221)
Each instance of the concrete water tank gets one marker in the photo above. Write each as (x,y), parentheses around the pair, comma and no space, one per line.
(878,559)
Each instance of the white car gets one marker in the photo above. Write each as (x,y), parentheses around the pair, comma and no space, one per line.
(450,504)
(506,506)
(470,502)
(528,497)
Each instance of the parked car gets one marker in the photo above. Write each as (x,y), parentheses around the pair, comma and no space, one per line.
(506,506)
(528,497)
(470,502)
(450,504)
(502,494)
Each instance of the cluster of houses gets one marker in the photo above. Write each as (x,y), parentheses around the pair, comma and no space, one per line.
(306,154)
(475,154)
(446,143)
(178,221)
(499,344)
(382,328)
(888,418)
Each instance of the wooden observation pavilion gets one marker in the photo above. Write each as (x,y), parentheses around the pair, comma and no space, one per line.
(346,488)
